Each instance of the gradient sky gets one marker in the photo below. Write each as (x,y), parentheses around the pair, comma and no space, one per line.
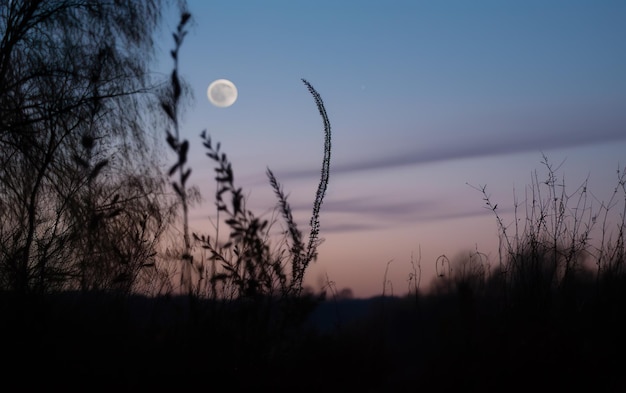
(424,97)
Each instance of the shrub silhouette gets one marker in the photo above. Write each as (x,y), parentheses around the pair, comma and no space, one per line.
(556,247)
(248,268)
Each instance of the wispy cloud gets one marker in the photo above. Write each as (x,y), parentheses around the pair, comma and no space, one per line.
(372,207)
(364,214)
(343,227)
(469,148)
(369,213)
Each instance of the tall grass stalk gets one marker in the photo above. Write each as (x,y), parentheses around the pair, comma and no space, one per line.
(552,247)
(170,103)
(248,266)
(415,277)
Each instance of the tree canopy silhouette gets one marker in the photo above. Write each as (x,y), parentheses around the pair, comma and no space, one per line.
(81,195)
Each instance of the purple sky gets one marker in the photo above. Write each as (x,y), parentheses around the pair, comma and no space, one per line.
(424,97)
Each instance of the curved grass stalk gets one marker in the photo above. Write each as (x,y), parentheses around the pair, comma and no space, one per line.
(301,256)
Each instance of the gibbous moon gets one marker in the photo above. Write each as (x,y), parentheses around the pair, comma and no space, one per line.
(222,93)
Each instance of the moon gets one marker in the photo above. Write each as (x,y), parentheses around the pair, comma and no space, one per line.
(222,93)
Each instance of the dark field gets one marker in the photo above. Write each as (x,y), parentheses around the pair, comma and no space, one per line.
(457,341)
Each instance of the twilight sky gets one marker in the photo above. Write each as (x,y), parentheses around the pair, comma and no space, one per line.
(423,97)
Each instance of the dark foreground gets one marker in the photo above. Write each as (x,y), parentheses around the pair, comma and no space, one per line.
(455,342)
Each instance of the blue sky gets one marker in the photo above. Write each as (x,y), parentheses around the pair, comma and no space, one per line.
(424,97)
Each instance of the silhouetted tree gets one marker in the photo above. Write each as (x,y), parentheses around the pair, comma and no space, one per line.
(81,195)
